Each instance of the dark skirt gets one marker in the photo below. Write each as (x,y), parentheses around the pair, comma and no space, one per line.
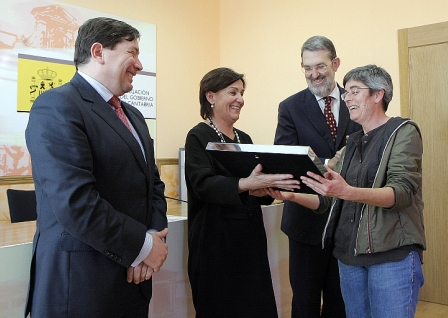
(229,268)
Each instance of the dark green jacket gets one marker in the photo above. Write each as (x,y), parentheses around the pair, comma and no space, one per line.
(398,165)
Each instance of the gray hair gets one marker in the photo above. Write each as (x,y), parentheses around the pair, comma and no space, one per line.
(319,42)
(375,78)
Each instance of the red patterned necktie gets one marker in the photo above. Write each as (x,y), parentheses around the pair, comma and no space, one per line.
(115,102)
(330,118)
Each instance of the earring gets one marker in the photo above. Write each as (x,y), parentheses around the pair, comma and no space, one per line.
(212,105)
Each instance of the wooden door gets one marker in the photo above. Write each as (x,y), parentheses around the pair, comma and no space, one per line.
(423,53)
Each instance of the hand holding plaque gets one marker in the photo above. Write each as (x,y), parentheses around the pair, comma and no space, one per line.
(241,159)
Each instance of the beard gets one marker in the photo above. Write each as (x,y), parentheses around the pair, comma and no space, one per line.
(321,91)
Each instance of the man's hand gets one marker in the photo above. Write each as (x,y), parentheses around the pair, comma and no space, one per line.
(159,251)
(333,161)
(139,274)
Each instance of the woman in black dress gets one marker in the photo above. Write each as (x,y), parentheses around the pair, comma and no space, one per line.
(228,264)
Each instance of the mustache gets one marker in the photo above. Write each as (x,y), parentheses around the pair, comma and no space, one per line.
(322,91)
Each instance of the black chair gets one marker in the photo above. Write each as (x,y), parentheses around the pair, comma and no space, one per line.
(22,205)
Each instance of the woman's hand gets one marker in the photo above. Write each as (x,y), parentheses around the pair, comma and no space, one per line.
(331,185)
(258,180)
(310,201)
(278,194)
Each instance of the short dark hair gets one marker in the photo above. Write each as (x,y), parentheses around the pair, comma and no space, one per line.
(375,78)
(103,30)
(317,43)
(214,81)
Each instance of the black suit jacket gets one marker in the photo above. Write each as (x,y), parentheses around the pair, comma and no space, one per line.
(96,198)
(301,122)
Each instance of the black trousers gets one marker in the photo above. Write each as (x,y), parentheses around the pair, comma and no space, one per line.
(313,274)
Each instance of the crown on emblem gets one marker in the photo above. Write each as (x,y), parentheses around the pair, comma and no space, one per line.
(47,74)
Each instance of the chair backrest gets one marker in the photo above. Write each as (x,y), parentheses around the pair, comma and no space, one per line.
(22,205)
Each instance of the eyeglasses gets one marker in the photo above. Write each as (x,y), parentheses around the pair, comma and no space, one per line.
(353,91)
(320,68)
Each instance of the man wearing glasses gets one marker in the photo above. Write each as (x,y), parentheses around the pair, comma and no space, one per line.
(317,117)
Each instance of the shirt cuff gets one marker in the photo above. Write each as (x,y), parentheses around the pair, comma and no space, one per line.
(146,248)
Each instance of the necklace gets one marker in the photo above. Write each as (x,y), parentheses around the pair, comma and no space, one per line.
(221,136)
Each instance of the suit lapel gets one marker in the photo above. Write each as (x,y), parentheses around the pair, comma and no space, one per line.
(105,111)
(142,130)
(344,118)
(312,111)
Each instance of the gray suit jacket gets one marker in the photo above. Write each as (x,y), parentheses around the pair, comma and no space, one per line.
(96,198)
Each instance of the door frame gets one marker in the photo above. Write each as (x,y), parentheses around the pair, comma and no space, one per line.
(413,37)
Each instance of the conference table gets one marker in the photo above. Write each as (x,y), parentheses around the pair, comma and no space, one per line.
(171,295)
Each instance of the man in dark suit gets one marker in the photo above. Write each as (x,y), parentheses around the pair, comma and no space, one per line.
(301,121)
(100,201)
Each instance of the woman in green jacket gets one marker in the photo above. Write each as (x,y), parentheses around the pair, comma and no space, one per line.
(375,203)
